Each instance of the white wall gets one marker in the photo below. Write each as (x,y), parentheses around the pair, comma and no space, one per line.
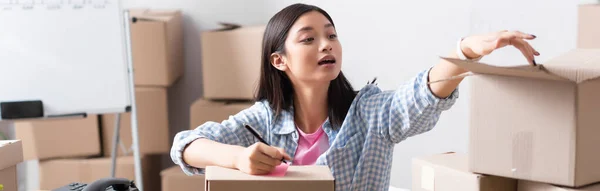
(395,39)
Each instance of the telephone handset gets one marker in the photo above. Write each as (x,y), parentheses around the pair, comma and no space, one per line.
(105,184)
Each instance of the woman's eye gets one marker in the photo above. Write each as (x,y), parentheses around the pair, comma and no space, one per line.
(308,39)
(332,36)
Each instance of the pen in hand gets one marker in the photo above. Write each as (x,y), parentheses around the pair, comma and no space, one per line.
(253,131)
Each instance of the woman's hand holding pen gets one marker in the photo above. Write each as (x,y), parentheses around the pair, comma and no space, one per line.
(260,159)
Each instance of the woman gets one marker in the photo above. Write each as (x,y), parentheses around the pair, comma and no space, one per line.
(310,114)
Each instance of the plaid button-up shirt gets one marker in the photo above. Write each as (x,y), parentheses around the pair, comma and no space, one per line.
(360,155)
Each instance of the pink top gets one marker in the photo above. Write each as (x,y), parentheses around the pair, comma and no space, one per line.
(310,147)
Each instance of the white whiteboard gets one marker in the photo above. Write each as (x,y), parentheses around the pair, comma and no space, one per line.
(70,54)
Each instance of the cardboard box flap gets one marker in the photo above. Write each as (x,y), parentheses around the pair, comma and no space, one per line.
(538,72)
(451,160)
(312,173)
(153,15)
(232,27)
(11,153)
(577,65)
(525,185)
(228,26)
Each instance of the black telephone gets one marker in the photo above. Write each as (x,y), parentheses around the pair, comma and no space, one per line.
(105,184)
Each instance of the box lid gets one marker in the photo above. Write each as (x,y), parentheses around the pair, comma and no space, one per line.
(11,153)
(310,172)
(451,160)
(525,185)
(236,28)
(589,5)
(443,172)
(577,66)
(153,15)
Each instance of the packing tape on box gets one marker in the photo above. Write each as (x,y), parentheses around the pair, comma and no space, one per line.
(522,156)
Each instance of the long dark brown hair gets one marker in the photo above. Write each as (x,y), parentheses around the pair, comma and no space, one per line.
(276,87)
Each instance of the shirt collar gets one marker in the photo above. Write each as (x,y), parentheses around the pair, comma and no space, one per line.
(285,123)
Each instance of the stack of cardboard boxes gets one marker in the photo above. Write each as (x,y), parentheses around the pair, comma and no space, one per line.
(531,128)
(12,154)
(230,69)
(79,150)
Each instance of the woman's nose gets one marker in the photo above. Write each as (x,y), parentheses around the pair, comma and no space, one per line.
(327,47)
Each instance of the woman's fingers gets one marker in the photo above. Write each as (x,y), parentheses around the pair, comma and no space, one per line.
(486,44)
(521,35)
(526,53)
(526,49)
(507,38)
(270,151)
(261,168)
(517,39)
(266,159)
(285,155)
(535,52)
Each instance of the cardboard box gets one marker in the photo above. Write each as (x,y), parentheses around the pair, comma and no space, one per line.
(153,124)
(11,154)
(54,138)
(449,172)
(60,172)
(231,61)
(8,178)
(297,178)
(157,46)
(588,31)
(173,179)
(538,186)
(203,111)
(537,123)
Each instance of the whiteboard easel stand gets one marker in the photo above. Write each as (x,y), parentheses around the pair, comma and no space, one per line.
(116,140)
(134,123)
(116,61)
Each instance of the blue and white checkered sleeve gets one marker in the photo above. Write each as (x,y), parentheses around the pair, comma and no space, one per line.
(410,110)
(230,131)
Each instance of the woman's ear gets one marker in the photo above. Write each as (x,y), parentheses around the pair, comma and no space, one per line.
(278,61)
